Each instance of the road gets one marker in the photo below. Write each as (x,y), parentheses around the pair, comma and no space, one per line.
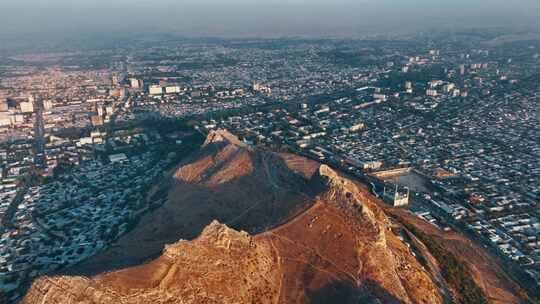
(39,134)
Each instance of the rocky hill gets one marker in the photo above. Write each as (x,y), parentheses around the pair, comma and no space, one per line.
(250,226)
(247,189)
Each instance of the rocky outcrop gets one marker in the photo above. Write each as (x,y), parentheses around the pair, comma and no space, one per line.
(215,235)
(223,136)
(221,266)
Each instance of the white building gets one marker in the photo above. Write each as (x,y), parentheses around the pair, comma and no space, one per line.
(172,90)
(155,90)
(135,83)
(27,107)
(399,199)
(381,97)
(118,158)
(5,119)
(3,105)
(431,92)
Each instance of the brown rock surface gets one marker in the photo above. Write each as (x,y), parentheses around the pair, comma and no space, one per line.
(340,249)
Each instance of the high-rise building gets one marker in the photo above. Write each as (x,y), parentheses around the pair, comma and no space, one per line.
(431,92)
(48,104)
(114,80)
(4,107)
(119,93)
(27,107)
(96,120)
(135,83)
(462,69)
(5,119)
(408,87)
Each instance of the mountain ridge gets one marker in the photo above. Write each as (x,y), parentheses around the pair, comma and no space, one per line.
(272,228)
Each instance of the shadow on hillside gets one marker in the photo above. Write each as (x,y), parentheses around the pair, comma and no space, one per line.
(250,203)
(339,292)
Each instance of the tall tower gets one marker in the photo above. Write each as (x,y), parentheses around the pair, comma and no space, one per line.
(462,69)
(114,80)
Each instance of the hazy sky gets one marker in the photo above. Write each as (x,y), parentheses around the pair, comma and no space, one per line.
(258,17)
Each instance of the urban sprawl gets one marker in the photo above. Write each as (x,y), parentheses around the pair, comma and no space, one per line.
(446,126)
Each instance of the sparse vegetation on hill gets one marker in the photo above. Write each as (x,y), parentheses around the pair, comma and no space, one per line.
(456,273)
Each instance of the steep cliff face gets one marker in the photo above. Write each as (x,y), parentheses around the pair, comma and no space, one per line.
(339,250)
